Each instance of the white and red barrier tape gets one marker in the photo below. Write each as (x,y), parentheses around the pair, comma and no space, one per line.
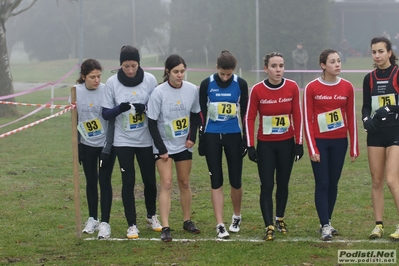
(67,109)
(53,106)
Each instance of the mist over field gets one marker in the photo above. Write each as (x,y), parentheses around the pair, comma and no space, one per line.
(197,29)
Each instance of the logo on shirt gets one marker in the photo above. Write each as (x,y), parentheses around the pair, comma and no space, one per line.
(177,106)
(267,101)
(327,97)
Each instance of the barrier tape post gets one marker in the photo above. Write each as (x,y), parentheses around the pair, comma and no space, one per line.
(75,154)
(52,97)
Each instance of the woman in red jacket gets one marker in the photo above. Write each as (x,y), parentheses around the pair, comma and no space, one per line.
(277,101)
(329,114)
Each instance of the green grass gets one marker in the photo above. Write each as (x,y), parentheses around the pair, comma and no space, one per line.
(37,218)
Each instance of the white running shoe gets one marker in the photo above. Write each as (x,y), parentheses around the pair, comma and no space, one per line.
(326,233)
(132,232)
(91,225)
(235,224)
(154,224)
(221,231)
(104,231)
(334,231)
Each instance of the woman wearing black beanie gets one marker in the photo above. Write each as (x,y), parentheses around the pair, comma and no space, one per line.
(125,99)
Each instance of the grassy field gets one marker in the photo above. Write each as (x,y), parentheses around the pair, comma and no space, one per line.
(51,71)
(38,218)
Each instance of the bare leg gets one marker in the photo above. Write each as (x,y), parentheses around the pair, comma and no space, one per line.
(183,169)
(392,173)
(166,173)
(376,156)
(236,198)
(217,202)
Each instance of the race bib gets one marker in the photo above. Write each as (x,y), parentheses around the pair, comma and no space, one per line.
(177,128)
(91,129)
(275,124)
(378,101)
(133,121)
(330,121)
(222,111)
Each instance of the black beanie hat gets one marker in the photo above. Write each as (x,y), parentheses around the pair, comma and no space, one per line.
(128,52)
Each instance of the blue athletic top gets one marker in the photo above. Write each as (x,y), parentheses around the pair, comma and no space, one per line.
(223,107)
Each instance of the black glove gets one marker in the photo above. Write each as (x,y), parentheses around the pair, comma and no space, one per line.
(253,156)
(369,124)
(382,112)
(104,160)
(81,153)
(298,152)
(244,147)
(140,108)
(123,107)
(201,143)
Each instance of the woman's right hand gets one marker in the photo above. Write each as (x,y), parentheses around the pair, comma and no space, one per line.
(315,158)
(164,157)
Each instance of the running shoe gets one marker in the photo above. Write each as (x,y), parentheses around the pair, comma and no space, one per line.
(90,226)
(190,227)
(222,232)
(104,231)
(235,224)
(281,226)
(395,235)
(377,232)
(269,236)
(154,224)
(334,231)
(165,235)
(326,233)
(133,232)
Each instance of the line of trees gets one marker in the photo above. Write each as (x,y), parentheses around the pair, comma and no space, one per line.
(197,29)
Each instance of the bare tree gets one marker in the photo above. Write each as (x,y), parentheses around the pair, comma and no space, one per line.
(8,8)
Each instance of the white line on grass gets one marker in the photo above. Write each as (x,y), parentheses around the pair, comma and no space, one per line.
(294,239)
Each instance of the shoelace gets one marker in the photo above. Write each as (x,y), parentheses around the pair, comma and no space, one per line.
(91,223)
(281,224)
(269,232)
(221,229)
(326,231)
(190,226)
(235,222)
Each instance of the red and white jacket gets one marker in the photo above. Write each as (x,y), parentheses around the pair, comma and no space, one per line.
(329,113)
(280,113)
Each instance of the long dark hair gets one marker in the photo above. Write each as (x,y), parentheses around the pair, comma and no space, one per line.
(86,67)
(171,62)
(388,45)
